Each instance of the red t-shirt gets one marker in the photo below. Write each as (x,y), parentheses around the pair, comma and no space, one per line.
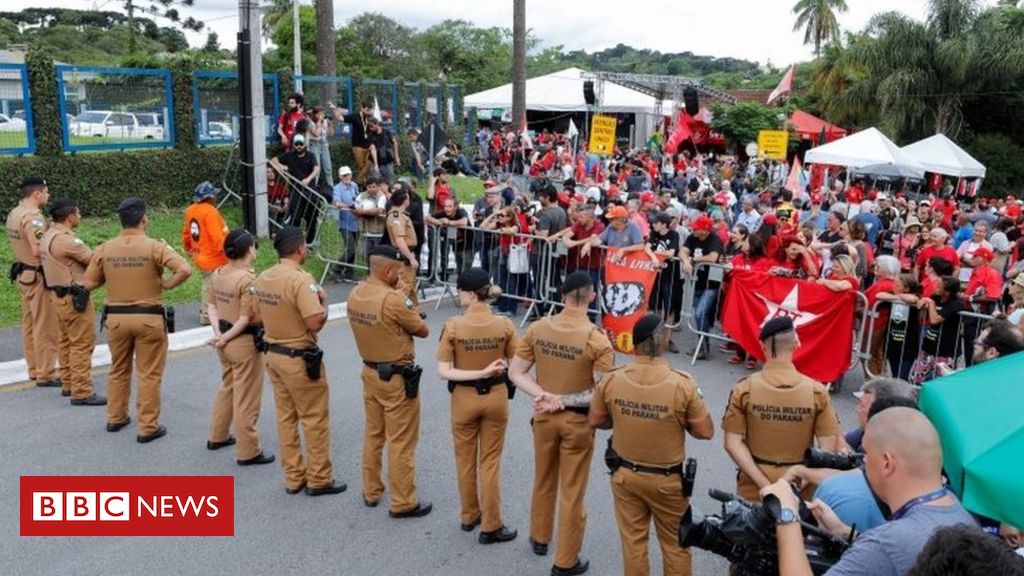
(855,195)
(985,277)
(742,262)
(591,261)
(881,285)
(288,121)
(506,240)
(1013,210)
(441,193)
(797,265)
(946,253)
(928,286)
(948,209)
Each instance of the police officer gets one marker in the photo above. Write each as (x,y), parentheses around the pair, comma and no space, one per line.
(64,257)
(651,408)
(25,227)
(473,356)
(774,415)
(400,233)
(570,353)
(132,266)
(237,335)
(384,321)
(291,305)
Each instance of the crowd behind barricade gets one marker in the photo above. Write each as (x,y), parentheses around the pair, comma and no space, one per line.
(933,271)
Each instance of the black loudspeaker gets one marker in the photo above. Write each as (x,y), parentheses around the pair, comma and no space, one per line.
(588,93)
(691,101)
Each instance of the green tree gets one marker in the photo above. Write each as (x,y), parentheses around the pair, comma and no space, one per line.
(818,20)
(212,43)
(281,57)
(919,74)
(741,123)
(167,9)
(458,51)
(1002,158)
(372,45)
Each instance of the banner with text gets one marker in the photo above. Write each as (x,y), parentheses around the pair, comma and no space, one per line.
(628,281)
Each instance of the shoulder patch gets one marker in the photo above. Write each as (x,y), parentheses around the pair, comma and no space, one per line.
(38,223)
(408,303)
(314,288)
(79,241)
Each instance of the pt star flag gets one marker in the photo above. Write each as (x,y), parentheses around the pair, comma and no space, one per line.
(823,320)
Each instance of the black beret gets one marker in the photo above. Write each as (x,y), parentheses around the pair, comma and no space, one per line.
(33,181)
(132,203)
(473,279)
(577,280)
(776,326)
(389,252)
(61,204)
(645,327)
(286,234)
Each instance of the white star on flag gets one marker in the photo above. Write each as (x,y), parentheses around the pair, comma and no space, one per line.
(788,307)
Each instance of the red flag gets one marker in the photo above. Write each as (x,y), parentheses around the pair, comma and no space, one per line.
(681,134)
(784,87)
(628,280)
(823,320)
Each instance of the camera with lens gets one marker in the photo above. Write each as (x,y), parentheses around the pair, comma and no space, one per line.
(815,458)
(744,534)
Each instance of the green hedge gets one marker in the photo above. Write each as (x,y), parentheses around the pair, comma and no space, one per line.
(100,181)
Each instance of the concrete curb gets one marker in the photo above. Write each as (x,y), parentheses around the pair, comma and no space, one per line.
(15,372)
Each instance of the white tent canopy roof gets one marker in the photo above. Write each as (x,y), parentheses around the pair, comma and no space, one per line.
(941,155)
(563,92)
(865,148)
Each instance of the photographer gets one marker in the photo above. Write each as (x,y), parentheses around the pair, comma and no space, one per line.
(903,465)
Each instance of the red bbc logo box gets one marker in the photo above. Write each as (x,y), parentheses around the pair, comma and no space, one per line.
(127,506)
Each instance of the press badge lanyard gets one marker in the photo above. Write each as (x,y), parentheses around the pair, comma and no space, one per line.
(929,497)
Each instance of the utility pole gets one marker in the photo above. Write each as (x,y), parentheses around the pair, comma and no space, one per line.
(296,47)
(518,64)
(252,141)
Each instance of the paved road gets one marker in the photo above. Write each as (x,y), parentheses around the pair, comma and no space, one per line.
(280,534)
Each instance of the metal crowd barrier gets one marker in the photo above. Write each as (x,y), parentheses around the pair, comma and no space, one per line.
(897,347)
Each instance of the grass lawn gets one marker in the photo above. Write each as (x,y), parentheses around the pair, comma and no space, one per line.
(167,224)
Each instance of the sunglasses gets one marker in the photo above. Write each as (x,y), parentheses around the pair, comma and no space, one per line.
(299,145)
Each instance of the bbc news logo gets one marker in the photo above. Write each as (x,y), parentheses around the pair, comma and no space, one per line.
(127,506)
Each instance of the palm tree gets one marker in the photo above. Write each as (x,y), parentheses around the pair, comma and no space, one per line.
(818,20)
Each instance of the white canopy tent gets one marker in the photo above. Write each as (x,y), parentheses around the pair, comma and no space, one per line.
(941,155)
(864,151)
(562,91)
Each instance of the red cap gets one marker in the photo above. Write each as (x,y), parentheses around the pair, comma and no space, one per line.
(490,183)
(770,219)
(613,191)
(703,222)
(646,196)
(984,252)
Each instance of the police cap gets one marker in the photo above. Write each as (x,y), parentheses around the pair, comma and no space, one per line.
(575,281)
(473,279)
(776,326)
(645,328)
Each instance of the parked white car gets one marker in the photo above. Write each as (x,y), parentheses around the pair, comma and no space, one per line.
(220,131)
(109,124)
(8,124)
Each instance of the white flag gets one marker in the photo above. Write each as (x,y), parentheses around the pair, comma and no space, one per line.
(376,110)
(573,131)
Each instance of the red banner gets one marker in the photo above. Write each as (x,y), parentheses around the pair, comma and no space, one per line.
(823,320)
(127,506)
(628,281)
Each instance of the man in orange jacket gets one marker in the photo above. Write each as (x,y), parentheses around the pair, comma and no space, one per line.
(202,236)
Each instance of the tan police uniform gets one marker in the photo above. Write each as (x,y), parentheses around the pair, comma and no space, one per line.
(132,267)
(778,411)
(399,225)
(64,258)
(285,294)
(472,342)
(39,326)
(383,321)
(651,407)
(566,349)
(237,404)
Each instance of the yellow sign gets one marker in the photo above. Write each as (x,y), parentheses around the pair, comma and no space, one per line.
(602,134)
(773,144)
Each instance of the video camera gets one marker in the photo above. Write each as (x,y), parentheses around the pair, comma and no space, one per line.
(815,458)
(744,534)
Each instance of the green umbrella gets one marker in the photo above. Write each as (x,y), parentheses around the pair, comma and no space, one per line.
(979,413)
